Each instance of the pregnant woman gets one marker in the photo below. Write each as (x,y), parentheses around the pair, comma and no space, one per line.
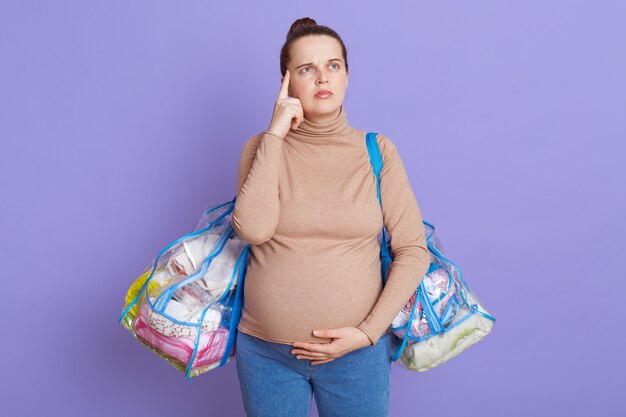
(315,315)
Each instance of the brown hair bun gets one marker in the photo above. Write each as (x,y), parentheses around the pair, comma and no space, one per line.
(298,23)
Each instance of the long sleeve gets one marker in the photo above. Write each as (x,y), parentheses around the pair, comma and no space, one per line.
(256,211)
(403,220)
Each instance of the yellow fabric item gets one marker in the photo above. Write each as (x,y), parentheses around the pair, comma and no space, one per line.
(134,290)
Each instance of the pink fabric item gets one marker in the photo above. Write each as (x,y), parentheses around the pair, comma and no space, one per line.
(210,349)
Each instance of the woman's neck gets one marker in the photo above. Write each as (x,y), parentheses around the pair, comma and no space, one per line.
(323,118)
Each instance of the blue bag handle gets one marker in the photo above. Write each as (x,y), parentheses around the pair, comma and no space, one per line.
(386,257)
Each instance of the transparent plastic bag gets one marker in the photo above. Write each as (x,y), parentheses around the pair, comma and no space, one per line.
(443,317)
(186,304)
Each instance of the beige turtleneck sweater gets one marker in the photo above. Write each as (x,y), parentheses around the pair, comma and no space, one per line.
(308,207)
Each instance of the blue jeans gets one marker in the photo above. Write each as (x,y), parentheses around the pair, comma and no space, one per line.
(275,383)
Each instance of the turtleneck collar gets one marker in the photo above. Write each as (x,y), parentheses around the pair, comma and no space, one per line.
(337,127)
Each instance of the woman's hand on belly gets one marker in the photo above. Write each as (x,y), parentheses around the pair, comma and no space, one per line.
(346,340)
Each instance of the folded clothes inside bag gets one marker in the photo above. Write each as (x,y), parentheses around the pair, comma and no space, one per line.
(180,348)
(186,304)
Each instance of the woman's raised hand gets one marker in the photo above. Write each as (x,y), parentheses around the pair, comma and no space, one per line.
(286,110)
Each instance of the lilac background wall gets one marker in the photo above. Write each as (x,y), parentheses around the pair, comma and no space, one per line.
(120,121)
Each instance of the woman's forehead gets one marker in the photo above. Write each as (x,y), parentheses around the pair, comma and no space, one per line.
(316,48)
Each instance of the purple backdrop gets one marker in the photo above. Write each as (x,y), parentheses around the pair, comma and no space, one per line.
(120,121)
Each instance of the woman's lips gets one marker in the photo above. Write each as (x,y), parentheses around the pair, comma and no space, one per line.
(323,94)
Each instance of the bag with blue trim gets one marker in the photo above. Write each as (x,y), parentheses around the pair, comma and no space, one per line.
(186,304)
(443,317)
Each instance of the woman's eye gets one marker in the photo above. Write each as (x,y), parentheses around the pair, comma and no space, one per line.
(337,66)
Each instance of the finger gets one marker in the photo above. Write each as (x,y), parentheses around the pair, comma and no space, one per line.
(284,87)
(315,347)
(311,357)
(323,348)
(299,116)
(303,352)
(298,121)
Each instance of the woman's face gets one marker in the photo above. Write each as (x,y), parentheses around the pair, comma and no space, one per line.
(317,64)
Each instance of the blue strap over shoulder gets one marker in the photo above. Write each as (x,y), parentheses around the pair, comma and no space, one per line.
(375,159)
(386,256)
(377,166)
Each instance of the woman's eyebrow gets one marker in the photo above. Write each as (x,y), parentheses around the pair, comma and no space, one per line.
(310,63)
